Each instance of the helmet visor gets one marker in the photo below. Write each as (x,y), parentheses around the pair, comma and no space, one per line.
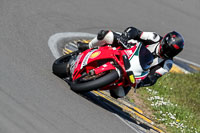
(166,50)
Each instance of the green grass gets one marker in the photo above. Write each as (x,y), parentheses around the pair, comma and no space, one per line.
(175,101)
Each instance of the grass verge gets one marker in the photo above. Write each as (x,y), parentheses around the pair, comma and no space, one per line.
(175,102)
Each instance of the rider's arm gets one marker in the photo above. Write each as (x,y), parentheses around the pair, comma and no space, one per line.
(155,73)
(104,37)
(146,37)
(110,37)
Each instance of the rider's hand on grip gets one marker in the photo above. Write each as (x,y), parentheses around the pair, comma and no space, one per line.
(82,46)
(123,39)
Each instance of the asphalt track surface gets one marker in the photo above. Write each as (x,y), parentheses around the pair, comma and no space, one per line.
(32,99)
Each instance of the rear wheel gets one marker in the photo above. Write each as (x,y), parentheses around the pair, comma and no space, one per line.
(85,85)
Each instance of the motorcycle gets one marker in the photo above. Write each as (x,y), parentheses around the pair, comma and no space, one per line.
(104,68)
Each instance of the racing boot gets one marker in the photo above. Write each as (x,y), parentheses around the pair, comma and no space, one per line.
(82,46)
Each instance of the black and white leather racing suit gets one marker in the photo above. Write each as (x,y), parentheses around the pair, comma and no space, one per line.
(151,40)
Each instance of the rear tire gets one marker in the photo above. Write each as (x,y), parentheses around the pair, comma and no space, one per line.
(95,84)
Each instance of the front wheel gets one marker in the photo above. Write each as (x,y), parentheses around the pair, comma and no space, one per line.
(59,67)
(100,82)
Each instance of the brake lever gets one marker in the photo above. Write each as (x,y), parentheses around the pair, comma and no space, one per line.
(122,43)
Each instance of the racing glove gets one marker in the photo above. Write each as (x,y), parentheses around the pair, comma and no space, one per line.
(128,34)
(123,39)
(82,46)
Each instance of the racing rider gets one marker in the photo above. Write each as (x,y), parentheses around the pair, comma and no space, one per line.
(162,48)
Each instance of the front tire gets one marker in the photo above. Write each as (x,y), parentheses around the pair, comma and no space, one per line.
(60,66)
(106,79)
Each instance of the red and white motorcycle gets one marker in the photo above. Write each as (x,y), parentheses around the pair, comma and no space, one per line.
(104,68)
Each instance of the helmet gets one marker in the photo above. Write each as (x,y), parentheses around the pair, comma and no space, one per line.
(171,44)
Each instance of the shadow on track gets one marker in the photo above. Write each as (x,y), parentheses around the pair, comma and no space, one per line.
(111,107)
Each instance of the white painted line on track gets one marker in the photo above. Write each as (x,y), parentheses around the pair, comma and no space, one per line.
(186,61)
(53,45)
(54,40)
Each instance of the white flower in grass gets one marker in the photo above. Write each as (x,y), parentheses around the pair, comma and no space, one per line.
(150,98)
(172,116)
(163,119)
(154,92)
(164,103)
(172,124)
(182,126)
(149,90)
(152,104)
(162,98)
(157,97)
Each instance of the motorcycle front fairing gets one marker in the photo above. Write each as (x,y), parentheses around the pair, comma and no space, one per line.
(88,60)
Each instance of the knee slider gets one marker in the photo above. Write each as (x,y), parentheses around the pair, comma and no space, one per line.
(102,34)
